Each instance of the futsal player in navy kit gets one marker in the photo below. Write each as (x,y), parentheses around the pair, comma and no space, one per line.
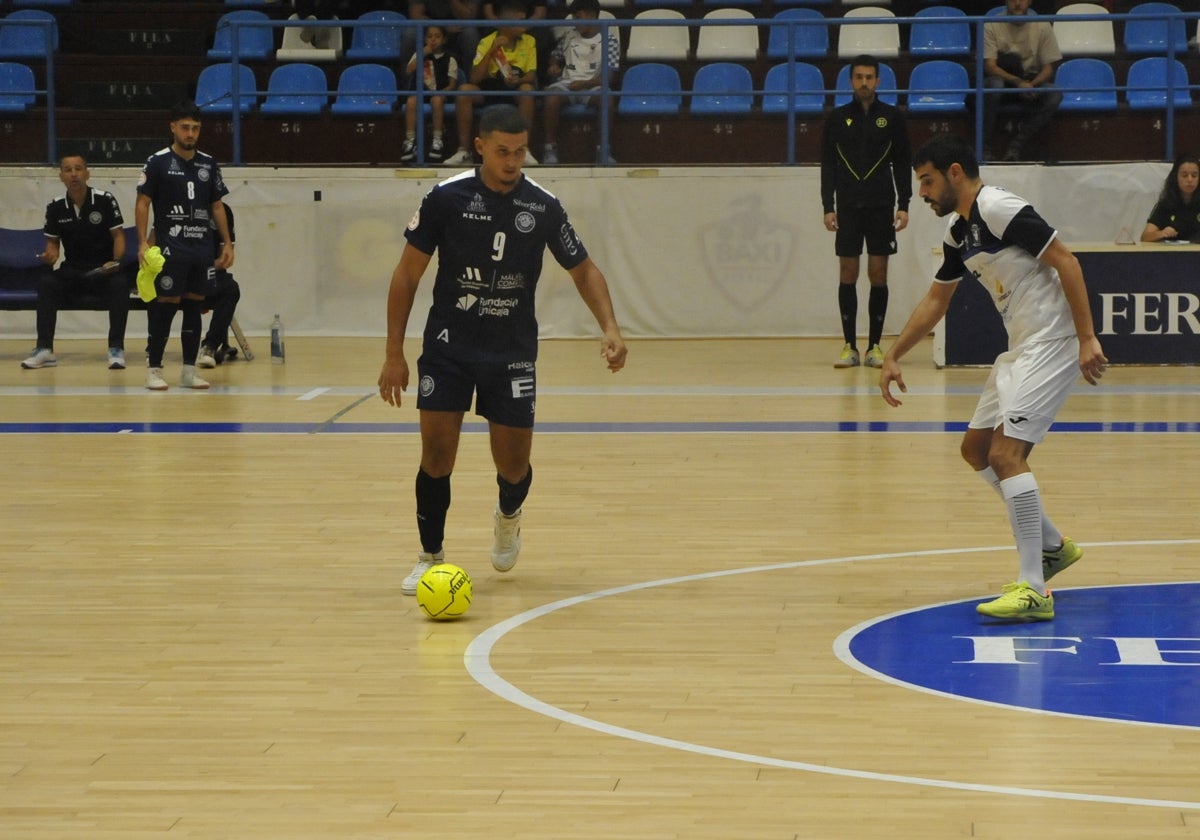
(490,227)
(184,187)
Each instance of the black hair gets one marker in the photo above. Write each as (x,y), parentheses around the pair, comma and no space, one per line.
(865,61)
(185,110)
(1170,190)
(506,119)
(578,6)
(943,150)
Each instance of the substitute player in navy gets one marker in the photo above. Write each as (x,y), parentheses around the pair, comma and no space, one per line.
(490,228)
(1037,286)
(184,187)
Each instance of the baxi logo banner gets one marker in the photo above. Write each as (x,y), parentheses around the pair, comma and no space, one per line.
(1125,653)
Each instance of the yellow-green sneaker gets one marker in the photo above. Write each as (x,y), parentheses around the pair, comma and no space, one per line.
(1054,562)
(874,357)
(848,359)
(1019,602)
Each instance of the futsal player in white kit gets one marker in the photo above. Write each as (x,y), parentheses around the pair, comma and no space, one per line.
(1037,285)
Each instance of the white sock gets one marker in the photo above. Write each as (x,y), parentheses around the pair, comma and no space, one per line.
(1025,514)
(1052,539)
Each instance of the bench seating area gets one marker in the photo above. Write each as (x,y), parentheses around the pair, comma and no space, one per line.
(20,267)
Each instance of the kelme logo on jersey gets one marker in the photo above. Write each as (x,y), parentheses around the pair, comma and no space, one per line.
(426,385)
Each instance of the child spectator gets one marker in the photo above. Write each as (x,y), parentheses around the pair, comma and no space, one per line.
(576,65)
(505,62)
(440,72)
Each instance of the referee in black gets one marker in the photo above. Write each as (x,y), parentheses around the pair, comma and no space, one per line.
(866,184)
(490,227)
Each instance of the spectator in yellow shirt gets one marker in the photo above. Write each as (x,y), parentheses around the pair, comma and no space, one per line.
(505,63)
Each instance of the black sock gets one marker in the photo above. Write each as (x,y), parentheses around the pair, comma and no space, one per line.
(512,496)
(876,311)
(848,306)
(159,316)
(189,334)
(433,500)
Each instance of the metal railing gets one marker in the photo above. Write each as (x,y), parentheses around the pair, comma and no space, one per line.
(608,94)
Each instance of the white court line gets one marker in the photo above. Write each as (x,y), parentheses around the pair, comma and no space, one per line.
(312,395)
(477,659)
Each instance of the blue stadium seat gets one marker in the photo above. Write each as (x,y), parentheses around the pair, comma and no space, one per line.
(1074,74)
(650,88)
(805,80)
(28,39)
(929,87)
(365,89)
(1147,84)
(254,43)
(1147,35)
(297,88)
(214,89)
(722,88)
(926,38)
(16,88)
(810,41)
(377,43)
(887,81)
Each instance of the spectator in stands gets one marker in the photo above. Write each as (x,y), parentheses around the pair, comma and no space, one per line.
(866,185)
(88,226)
(1177,213)
(543,36)
(505,62)
(1021,54)
(576,65)
(485,350)
(223,301)
(184,187)
(461,40)
(439,72)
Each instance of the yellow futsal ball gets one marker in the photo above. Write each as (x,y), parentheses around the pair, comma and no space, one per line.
(444,592)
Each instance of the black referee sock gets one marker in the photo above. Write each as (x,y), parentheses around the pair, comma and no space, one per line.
(159,316)
(512,496)
(433,500)
(848,306)
(876,311)
(189,334)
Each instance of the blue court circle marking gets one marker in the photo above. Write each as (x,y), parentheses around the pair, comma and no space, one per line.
(477,660)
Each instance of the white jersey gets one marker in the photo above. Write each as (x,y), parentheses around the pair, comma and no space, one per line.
(999,245)
(582,57)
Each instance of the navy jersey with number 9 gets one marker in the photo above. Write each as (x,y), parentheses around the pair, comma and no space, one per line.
(490,248)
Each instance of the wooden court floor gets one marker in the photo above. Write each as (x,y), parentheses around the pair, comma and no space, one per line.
(202,633)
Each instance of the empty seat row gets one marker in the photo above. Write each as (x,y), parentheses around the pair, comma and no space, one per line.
(298,88)
(935,86)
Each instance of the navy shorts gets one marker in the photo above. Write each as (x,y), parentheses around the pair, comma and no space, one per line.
(875,225)
(505,392)
(181,277)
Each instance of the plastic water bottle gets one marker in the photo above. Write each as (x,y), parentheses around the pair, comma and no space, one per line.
(277,341)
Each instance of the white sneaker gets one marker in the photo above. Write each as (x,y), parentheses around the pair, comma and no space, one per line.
(41,358)
(425,562)
(116,358)
(460,158)
(206,358)
(189,379)
(154,379)
(506,541)
(550,156)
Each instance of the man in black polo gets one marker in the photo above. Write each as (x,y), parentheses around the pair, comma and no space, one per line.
(87,225)
(866,184)
(184,187)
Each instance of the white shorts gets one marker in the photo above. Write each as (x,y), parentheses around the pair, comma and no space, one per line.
(1027,387)
(577,97)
